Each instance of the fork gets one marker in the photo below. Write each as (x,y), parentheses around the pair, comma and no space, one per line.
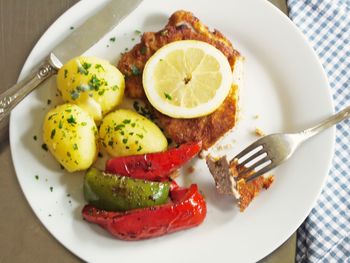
(270,151)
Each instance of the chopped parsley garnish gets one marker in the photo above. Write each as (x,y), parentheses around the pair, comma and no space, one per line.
(126,121)
(95,83)
(136,105)
(119,127)
(51,189)
(139,149)
(133,124)
(35,137)
(86,65)
(44,147)
(82,70)
(68,110)
(68,154)
(62,167)
(126,49)
(143,50)
(115,87)
(65,73)
(110,143)
(51,116)
(135,70)
(60,125)
(71,120)
(37,177)
(75,147)
(99,66)
(112,39)
(164,32)
(53,132)
(48,102)
(133,39)
(101,92)
(83,123)
(125,140)
(71,28)
(139,135)
(138,32)
(168,96)
(74,94)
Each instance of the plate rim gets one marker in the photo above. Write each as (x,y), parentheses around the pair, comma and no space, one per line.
(27,65)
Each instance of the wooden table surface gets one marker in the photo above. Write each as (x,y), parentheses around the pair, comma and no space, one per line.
(23,238)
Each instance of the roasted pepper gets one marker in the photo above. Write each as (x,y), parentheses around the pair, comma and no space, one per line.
(154,166)
(187,209)
(120,193)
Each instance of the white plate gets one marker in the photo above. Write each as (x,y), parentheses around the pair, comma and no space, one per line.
(284,84)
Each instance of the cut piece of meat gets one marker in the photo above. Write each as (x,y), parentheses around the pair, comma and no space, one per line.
(225,176)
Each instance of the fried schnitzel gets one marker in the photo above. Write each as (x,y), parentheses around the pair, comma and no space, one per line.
(183,25)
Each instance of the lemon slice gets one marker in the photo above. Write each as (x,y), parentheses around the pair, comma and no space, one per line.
(187,79)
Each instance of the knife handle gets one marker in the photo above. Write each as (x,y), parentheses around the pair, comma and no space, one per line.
(10,98)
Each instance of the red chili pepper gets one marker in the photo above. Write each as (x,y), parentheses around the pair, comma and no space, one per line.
(153,166)
(187,209)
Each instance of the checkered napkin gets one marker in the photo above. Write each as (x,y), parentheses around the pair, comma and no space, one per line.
(325,234)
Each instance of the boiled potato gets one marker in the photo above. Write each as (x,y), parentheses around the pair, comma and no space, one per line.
(71,136)
(125,132)
(92,83)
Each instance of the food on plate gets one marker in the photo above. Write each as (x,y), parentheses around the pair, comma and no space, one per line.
(125,132)
(71,136)
(184,25)
(92,83)
(186,209)
(154,166)
(114,192)
(187,79)
(227,182)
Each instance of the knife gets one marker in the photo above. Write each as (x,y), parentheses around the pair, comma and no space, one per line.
(80,40)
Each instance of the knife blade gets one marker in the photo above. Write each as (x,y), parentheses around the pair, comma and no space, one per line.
(85,36)
(93,29)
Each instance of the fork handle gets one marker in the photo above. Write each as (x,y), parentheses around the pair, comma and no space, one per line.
(11,97)
(327,123)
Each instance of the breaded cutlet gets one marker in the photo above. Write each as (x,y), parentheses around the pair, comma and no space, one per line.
(183,25)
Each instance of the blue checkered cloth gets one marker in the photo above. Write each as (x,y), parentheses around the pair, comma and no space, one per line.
(325,234)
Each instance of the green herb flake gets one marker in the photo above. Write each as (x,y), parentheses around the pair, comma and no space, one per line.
(138,32)
(68,110)
(139,135)
(140,148)
(51,116)
(126,49)
(112,39)
(68,195)
(62,167)
(51,188)
(82,70)
(75,147)
(35,137)
(133,124)
(99,67)
(143,50)
(135,70)
(126,121)
(37,177)
(110,143)
(168,96)
(74,94)
(164,32)
(71,28)
(65,73)
(125,140)
(95,83)
(101,92)
(119,127)
(53,133)
(71,120)
(68,154)
(133,39)
(83,123)
(86,65)
(115,87)
(60,125)
(48,102)
(44,147)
